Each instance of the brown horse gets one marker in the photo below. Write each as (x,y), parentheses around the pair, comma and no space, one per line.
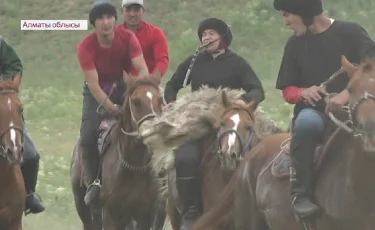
(12,189)
(258,197)
(129,189)
(233,137)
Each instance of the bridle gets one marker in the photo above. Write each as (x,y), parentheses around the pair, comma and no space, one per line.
(139,122)
(351,109)
(125,163)
(3,150)
(245,146)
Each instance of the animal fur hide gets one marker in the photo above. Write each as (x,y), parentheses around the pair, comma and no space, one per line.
(190,118)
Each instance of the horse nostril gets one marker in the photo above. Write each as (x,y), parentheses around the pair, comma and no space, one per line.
(9,152)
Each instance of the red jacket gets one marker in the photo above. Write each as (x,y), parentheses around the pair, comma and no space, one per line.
(109,62)
(154,47)
(292,94)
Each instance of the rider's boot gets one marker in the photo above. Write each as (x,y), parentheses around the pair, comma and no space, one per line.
(30,170)
(301,178)
(188,189)
(90,164)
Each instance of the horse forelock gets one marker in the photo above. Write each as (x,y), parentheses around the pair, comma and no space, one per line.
(8,85)
(236,107)
(133,84)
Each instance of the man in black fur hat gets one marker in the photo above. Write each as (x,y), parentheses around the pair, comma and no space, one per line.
(217,67)
(311,55)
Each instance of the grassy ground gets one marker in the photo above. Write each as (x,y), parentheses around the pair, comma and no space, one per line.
(51,89)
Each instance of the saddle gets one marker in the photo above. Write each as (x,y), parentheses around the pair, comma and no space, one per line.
(104,139)
(280,165)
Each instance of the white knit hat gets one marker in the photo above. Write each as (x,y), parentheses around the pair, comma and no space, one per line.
(126,3)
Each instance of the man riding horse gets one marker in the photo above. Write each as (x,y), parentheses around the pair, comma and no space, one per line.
(217,67)
(151,38)
(312,55)
(10,66)
(105,57)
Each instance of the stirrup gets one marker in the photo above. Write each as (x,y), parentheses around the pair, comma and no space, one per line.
(298,217)
(28,211)
(95,183)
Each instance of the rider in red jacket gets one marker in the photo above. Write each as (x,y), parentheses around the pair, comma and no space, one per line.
(152,39)
(105,57)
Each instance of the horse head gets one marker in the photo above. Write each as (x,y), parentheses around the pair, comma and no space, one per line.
(361,105)
(143,101)
(11,122)
(236,132)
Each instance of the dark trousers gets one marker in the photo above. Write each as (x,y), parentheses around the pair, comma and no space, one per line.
(30,165)
(89,134)
(188,174)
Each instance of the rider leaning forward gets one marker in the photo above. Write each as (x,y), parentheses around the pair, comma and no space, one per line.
(310,57)
(105,57)
(217,67)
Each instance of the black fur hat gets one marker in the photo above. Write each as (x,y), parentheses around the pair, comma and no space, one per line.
(219,26)
(306,9)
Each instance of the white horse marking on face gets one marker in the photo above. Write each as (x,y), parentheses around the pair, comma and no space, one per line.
(150,96)
(12,130)
(13,136)
(9,104)
(232,137)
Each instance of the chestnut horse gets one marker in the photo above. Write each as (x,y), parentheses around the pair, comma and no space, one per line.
(12,189)
(224,148)
(259,199)
(129,189)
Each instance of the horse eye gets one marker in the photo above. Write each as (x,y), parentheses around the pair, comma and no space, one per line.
(137,102)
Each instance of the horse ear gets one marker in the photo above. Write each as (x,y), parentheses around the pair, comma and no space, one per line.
(252,105)
(17,80)
(347,66)
(224,99)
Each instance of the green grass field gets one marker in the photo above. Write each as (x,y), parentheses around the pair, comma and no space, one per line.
(51,89)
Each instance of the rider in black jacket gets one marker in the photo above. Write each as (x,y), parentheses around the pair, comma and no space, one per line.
(217,67)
